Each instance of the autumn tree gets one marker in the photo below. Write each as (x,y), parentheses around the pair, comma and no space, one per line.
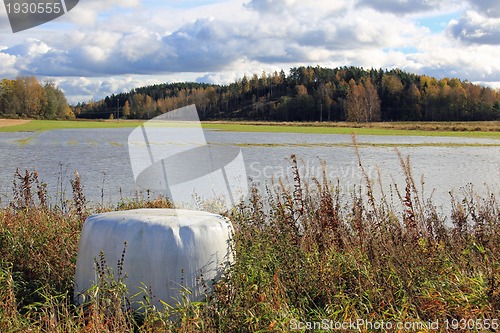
(487,110)
(276,81)
(392,88)
(10,103)
(138,106)
(57,106)
(25,97)
(362,102)
(245,84)
(126,109)
(413,104)
(372,101)
(457,100)
(355,102)
(304,104)
(149,106)
(33,96)
(429,89)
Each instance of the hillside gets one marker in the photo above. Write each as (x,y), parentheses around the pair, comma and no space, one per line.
(311,94)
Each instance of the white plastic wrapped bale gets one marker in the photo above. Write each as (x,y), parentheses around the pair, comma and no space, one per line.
(166,249)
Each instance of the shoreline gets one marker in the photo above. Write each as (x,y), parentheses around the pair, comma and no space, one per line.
(487,129)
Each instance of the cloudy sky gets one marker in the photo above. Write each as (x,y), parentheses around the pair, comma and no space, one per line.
(102,47)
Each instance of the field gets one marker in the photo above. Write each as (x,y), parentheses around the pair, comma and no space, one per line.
(47,125)
(308,258)
(461,129)
(12,122)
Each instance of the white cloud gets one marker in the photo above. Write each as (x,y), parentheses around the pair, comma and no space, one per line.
(486,7)
(404,6)
(444,57)
(476,28)
(138,44)
(7,62)
(118,45)
(218,78)
(270,6)
(87,12)
(83,89)
(31,47)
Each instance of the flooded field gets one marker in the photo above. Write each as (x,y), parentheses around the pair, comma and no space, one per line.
(102,159)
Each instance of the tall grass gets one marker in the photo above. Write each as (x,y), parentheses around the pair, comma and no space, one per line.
(304,252)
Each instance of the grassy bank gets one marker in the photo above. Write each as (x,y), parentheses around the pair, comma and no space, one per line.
(305,253)
(445,126)
(475,129)
(458,129)
(47,125)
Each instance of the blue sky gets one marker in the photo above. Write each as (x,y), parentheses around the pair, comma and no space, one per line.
(103,47)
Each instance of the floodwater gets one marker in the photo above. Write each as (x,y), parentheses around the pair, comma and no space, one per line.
(102,159)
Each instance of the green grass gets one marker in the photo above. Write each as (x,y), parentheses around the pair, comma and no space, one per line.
(238,127)
(371,144)
(401,129)
(47,125)
(27,140)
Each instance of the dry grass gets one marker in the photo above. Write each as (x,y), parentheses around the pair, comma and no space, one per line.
(447,126)
(12,122)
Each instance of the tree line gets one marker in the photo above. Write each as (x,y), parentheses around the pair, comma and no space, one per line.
(25,97)
(311,94)
(304,94)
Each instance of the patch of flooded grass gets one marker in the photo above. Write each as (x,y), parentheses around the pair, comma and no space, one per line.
(25,141)
(73,142)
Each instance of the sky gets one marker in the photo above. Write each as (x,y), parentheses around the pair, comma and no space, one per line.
(104,47)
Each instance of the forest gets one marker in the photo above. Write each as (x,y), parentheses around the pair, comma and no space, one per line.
(25,97)
(304,94)
(311,94)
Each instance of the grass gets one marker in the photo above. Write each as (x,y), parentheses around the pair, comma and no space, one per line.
(453,129)
(27,140)
(371,144)
(476,129)
(305,253)
(47,125)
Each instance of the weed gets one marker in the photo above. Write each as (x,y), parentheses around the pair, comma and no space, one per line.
(78,196)
(22,189)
